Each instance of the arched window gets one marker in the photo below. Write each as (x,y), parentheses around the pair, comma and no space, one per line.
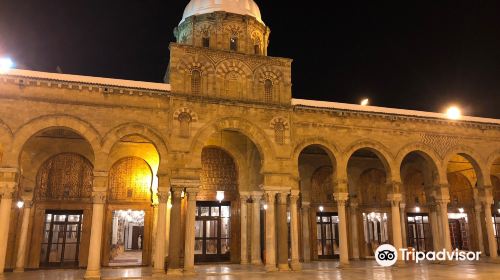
(195,82)
(184,122)
(279,133)
(206,42)
(233,44)
(268,90)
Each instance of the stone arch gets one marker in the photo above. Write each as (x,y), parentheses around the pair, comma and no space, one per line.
(6,136)
(266,72)
(427,152)
(378,149)
(233,65)
(329,148)
(491,160)
(200,62)
(245,127)
(36,125)
(114,135)
(475,160)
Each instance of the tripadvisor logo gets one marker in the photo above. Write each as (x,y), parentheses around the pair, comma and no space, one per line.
(387,255)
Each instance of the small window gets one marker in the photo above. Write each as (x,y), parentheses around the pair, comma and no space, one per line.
(256,49)
(233,44)
(279,133)
(268,90)
(206,42)
(195,82)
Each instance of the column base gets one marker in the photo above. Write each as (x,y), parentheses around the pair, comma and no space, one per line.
(244,262)
(20,269)
(493,260)
(283,267)
(271,268)
(159,274)
(175,272)
(256,262)
(344,265)
(296,266)
(92,274)
(189,271)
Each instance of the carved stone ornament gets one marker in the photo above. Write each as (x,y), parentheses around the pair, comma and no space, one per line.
(99,197)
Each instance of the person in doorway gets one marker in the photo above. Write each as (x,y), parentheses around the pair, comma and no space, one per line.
(139,242)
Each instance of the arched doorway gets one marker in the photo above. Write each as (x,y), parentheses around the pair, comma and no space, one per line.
(319,217)
(367,174)
(129,217)
(216,220)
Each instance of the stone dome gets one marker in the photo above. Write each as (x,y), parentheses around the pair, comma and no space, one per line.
(241,7)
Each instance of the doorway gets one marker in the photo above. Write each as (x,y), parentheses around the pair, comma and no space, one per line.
(61,239)
(327,227)
(213,232)
(496,226)
(419,232)
(127,238)
(459,232)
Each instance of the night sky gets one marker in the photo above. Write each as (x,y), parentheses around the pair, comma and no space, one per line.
(421,55)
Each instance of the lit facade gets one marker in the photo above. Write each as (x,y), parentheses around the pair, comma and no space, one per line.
(118,173)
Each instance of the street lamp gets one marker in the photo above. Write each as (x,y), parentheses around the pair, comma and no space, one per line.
(5,64)
(20,204)
(220,196)
(453,113)
(321,208)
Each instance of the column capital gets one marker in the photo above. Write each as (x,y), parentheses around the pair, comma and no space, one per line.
(395,197)
(192,192)
(294,198)
(256,195)
(442,201)
(341,196)
(270,196)
(163,196)
(478,208)
(99,197)
(282,197)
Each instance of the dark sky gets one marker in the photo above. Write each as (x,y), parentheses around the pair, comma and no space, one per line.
(419,55)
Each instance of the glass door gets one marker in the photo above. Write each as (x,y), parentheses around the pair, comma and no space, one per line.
(419,232)
(61,239)
(212,232)
(327,226)
(496,225)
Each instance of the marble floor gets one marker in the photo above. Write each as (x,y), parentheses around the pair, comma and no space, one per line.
(317,270)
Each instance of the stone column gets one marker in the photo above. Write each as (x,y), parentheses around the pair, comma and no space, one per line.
(154,232)
(402,207)
(479,229)
(255,230)
(442,205)
(5,211)
(159,248)
(341,199)
(8,184)
(23,238)
(282,232)
(174,256)
(270,232)
(395,199)
(294,230)
(434,228)
(492,242)
(167,233)
(190,234)
(354,229)
(94,261)
(244,229)
(306,247)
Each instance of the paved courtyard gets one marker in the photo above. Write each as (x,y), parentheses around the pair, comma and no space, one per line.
(317,270)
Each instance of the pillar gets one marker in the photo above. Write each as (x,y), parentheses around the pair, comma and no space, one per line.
(23,238)
(270,232)
(244,229)
(154,232)
(294,231)
(306,247)
(5,212)
(434,228)
(341,199)
(282,232)
(492,242)
(167,234)
(94,261)
(190,234)
(402,207)
(8,184)
(395,199)
(479,229)
(442,205)
(174,256)
(354,229)
(255,230)
(159,239)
